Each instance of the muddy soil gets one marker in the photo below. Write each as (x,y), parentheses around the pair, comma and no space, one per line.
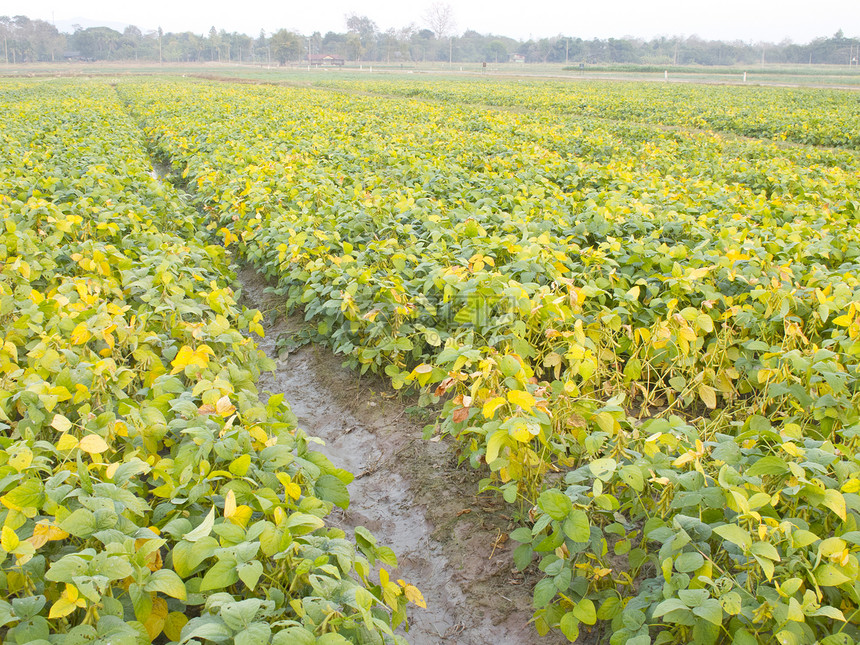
(450,542)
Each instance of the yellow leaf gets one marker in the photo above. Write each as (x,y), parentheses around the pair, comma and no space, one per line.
(492,405)
(21,460)
(80,334)
(494,445)
(241,515)
(520,431)
(521,398)
(9,539)
(240,465)
(44,532)
(708,396)
(61,423)
(67,442)
(62,608)
(605,422)
(414,595)
(154,623)
(68,602)
(230,505)
(842,321)
(834,500)
(187,356)
(685,458)
(93,444)
(259,435)
(173,625)
(224,407)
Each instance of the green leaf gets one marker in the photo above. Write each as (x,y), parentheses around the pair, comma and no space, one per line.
(693,597)
(668,605)
(250,573)
(584,610)
(557,505)
(689,561)
(206,627)
(830,612)
(254,634)
(734,534)
(731,603)
(545,591)
(187,556)
(711,611)
(765,550)
(6,614)
(81,523)
(576,526)
(203,529)
(167,582)
(222,574)
(27,496)
(294,635)
(759,423)
(522,534)
(632,476)
(494,445)
(239,615)
(569,626)
(332,489)
(603,468)
(303,523)
(801,538)
(769,465)
(66,568)
(743,637)
(828,575)
(523,556)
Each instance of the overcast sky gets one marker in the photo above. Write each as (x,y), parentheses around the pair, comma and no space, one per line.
(747,20)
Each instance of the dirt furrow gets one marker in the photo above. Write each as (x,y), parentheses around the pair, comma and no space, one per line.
(409,492)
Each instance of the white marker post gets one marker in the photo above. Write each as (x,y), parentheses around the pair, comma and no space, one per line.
(745,77)
(666,75)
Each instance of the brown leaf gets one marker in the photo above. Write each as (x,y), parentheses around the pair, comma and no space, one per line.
(460,415)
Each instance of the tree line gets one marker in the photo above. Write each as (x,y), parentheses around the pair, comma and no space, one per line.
(27,41)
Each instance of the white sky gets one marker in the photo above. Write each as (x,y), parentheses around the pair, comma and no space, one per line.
(747,20)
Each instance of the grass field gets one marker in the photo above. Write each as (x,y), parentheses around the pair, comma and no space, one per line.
(769,74)
(633,308)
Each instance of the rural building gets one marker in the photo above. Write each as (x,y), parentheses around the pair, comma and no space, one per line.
(325,60)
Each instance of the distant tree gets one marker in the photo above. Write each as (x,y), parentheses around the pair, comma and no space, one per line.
(286,46)
(214,45)
(421,44)
(98,43)
(496,51)
(131,40)
(361,38)
(335,44)
(440,18)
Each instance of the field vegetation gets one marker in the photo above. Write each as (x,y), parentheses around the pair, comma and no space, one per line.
(143,480)
(645,337)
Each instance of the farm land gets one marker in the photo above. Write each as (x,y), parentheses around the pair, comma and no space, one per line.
(627,317)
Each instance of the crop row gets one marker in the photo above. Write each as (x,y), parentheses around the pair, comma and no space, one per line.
(148,493)
(648,338)
(809,116)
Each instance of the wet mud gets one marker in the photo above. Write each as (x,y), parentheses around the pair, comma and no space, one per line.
(410,492)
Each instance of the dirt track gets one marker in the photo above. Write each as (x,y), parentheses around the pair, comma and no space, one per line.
(409,492)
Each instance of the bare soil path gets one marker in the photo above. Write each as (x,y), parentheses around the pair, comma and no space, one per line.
(409,492)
